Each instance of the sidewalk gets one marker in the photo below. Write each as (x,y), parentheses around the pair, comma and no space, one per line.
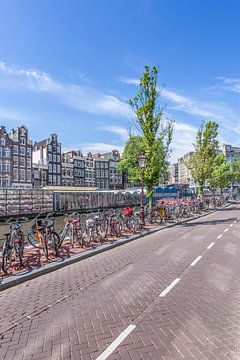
(36,265)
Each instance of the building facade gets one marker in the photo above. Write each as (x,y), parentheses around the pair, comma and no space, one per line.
(231,152)
(5,159)
(67,171)
(48,152)
(173,174)
(89,170)
(101,173)
(78,167)
(22,147)
(184,174)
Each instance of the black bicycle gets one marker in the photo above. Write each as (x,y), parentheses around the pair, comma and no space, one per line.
(13,245)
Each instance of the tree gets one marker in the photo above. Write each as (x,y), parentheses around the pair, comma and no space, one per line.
(221,175)
(154,135)
(201,163)
(236,170)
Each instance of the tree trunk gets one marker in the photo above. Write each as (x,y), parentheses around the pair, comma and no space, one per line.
(214,197)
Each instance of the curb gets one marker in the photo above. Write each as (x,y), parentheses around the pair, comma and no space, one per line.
(45,269)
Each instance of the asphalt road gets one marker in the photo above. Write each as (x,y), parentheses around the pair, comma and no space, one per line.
(171,295)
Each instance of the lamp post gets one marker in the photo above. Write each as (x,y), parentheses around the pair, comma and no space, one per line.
(142,160)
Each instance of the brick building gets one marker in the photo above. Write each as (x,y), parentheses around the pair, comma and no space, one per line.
(5,159)
(48,152)
(21,158)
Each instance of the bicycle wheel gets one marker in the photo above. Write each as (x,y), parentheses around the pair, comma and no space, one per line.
(55,241)
(33,240)
(19,247)
(63,234)
(45,246)
(6,257)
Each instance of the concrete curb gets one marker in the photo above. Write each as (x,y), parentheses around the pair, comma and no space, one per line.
(45,269)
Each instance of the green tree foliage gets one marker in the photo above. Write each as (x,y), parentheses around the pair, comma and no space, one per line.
(236,170)
(221,175)
(201,163)
(155,135)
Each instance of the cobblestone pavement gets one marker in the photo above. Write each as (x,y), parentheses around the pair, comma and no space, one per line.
(77,311)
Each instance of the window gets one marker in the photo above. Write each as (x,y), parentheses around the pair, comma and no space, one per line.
(54,180)
(58,158)
(29,163)
(22,175)
(59,180)
(54,158)
(15,174)
(50,179)
(22,150)
(50,168)
(49,147)
(58,149)
(22,141)
(2,141)
(15,160)
(6,153)
(54,168)
(29,175)
(59,169)
(15,149)
(6,166)
(29,151)
(22,161)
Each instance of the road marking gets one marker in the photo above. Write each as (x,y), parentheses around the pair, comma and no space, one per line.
(169,287)
(210,246)
(226,230)
(219,236)
(196,260)
(109,350)
(235,221)
(231,225)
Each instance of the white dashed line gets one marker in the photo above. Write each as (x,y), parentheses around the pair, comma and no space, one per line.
(226,230)
(235,221)
(169,287)
(231,225)
(210,246)
(219,236)
(196,260)
(110,349)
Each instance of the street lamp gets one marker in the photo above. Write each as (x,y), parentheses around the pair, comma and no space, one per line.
(142,161)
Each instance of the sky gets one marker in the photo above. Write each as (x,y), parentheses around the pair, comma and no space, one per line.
(70,66)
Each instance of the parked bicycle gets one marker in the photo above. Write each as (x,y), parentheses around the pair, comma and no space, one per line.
(13,246)
(42,235)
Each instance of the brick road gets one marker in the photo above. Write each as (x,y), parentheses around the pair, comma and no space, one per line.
(77,311)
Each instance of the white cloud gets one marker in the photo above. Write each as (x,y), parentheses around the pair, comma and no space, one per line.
(186,104)
(183,137)
(230,84)
(93,147)
(129,81)
(180,102)
(79,97)
(120,131)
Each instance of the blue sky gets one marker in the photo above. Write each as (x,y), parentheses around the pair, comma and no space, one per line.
(70,66)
